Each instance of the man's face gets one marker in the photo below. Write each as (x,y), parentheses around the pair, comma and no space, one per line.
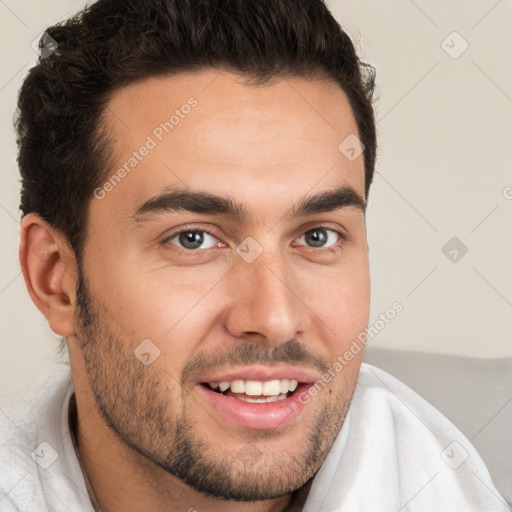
(164,317)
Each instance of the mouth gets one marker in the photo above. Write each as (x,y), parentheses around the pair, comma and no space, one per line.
(255,392)
(256,404)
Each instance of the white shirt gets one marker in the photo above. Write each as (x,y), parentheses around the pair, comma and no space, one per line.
(395,452)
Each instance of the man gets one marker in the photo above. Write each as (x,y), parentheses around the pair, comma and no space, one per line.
(194,182)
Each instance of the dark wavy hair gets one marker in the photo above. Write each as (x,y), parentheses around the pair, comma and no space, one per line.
(63,143)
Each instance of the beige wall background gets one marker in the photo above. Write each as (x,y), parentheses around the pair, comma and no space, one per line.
(440,211)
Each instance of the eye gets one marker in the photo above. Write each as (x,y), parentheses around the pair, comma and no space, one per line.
(321,237)
(193,239)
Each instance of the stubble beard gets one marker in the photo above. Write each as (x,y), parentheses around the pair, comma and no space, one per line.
(135,403)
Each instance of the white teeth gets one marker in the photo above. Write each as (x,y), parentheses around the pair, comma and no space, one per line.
(252,387)
(269,388)
(275,398)
(238,386)
(261,400)
(272,388)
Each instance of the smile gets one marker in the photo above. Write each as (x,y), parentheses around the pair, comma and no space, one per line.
(256,404)
(254,391)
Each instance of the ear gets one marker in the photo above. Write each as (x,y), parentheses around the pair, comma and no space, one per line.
(50,272)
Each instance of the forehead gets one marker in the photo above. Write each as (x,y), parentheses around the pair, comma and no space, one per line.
(210,131)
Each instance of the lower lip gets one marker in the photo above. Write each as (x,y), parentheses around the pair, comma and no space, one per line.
(258,416)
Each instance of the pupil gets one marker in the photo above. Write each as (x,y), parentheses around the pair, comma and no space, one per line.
(317,237)
(191,239)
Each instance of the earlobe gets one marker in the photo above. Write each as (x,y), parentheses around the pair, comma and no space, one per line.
(49,270)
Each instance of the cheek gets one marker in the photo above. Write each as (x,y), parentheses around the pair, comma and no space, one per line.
(177,308)
(171,309)
(341,299)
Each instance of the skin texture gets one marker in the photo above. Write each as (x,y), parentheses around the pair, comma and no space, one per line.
(148,439)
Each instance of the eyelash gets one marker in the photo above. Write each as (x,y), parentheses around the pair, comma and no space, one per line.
(342,237)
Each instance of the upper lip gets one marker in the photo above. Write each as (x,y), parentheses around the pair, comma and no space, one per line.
(262,373)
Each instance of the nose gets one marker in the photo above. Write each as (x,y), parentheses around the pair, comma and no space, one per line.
(265,301)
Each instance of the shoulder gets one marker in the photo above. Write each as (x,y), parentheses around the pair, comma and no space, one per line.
(417,428)
(396,451)
(36,451)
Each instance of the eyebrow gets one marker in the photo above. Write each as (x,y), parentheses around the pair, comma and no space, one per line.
(205,203)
